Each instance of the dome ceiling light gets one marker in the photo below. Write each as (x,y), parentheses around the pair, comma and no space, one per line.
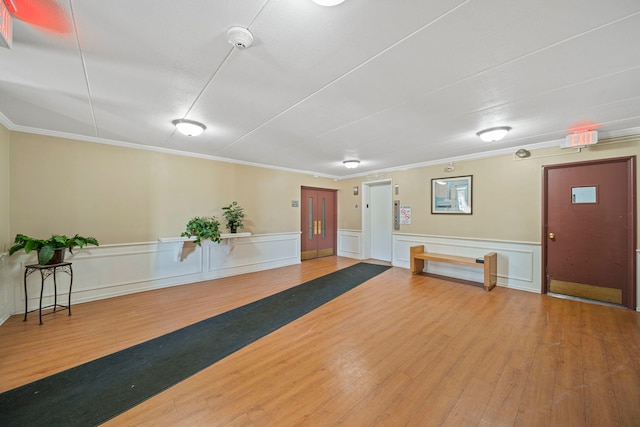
(189,127)
(493,134)
(351,164)
(328,2)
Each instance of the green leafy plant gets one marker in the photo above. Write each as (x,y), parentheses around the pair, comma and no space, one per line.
(203,227)
(47,247)
(234,216)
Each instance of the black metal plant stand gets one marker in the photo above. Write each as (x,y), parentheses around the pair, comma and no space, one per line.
(46,271)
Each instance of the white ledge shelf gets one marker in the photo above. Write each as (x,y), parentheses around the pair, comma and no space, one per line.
(228,241)
(176,239)
(223,236)
(234,235)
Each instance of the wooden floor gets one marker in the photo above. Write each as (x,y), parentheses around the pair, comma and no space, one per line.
(397,350)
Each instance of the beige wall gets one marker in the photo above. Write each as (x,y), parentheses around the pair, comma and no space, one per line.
(123,195)
(507,196)
(5,241)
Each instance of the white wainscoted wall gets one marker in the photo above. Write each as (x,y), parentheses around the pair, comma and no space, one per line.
(112,270)
(6,292)
(350,243)
(519,263)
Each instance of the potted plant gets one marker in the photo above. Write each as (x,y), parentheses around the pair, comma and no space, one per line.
(203,227)
(50,251)
(233,215)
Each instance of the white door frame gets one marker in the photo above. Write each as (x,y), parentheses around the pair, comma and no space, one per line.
(366,215)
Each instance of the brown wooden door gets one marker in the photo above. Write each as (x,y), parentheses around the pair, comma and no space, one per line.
(318,223)
(589,230)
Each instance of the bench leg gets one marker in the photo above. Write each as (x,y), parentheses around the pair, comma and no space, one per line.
(417,265)
(490,270)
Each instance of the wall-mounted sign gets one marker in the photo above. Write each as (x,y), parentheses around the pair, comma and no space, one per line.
(6,29)
(580,139)
(405,214)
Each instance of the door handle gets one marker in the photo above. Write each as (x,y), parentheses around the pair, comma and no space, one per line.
(552,236)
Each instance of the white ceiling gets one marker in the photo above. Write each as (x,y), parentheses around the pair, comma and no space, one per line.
(389,82)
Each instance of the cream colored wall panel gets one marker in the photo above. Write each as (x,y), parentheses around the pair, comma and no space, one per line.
(124,195)
(507,193)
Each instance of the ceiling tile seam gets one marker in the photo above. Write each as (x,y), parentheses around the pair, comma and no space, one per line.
(557,43)
(479,73)
(258,13)
(224,61)
(84,68)
(619,120)
(557,89)
(215,73)
(331,83)
(203,90)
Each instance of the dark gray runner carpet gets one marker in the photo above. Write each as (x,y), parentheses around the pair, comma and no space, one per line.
(99,390)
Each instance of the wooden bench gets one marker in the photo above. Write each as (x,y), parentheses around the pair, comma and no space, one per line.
(490,265)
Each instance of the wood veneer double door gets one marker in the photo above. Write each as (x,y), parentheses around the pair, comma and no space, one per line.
(318,223)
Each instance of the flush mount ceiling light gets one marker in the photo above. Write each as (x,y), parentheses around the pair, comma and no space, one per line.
(351,164)
(189,127)
(522,153)
(493,134)
(328,2)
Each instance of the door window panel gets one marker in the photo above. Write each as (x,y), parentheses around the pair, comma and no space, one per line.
(311,218)
(581,195)
(324,217)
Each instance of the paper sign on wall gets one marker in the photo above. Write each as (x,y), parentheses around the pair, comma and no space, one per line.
(405,214)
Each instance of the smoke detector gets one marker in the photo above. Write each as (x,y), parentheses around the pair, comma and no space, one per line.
(239,37)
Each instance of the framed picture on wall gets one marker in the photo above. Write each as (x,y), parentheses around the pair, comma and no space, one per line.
(452,195)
